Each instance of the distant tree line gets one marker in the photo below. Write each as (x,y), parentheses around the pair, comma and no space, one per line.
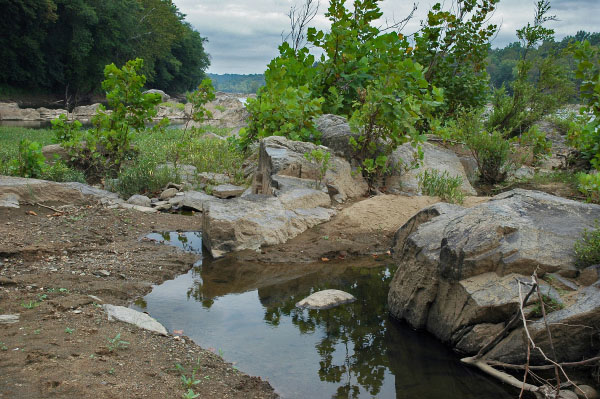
(234,83)
(502,61)
(62,46)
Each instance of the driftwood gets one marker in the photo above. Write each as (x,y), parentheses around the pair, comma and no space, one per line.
(547,389)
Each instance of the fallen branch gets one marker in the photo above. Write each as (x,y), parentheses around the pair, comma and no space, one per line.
(502,376)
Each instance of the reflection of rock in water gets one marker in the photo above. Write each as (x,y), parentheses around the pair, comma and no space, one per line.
(426,369)
(275,282)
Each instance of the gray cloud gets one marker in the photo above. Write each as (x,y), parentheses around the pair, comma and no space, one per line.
(244,35)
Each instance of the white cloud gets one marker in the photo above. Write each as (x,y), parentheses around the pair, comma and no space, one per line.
(244,34)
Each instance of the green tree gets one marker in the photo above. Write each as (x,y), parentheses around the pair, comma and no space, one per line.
(453,47)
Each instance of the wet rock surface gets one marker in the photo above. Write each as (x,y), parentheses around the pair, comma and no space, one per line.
(458,268)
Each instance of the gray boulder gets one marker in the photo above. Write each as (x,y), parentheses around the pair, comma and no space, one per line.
(9,200)
(253,221)
(53,152)
(326,299)
(280,158)
(435,158)
(164,96)
(85,111)
(195,200)
(140,200)
(458,270)
(228,191)
(336,134)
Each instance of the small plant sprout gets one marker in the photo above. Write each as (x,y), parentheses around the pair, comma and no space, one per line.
(3,346)
(69,330)
(190,394)
(116,343)
(322,160)
(189,382)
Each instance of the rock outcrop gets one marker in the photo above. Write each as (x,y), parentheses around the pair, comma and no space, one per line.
(434,158)
(282,166)
(458,272)
(253,221)
(336,134)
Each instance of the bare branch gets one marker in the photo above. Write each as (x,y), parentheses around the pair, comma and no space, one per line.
(300,17)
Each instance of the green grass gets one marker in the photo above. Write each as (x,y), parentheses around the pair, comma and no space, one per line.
(10,138)
(142,175)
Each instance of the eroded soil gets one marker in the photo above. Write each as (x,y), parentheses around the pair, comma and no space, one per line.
(50,264)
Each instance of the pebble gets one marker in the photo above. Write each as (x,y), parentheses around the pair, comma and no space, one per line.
(101,273)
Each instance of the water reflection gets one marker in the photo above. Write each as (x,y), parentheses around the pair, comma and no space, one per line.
(247,310)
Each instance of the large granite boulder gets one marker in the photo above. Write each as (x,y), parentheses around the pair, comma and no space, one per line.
(255,220)
(458,273)
(85,112)
(282,166)
(336,134)
(434,158)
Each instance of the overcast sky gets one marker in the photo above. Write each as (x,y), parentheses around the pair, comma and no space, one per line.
(243,35)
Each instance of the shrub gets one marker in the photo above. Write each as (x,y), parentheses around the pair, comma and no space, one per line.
(288,112)
(436,184)
(143,176)
(535,139)
(491,152)
(30,162)
(61,172)
(321,159)
(587,139)
(587,248)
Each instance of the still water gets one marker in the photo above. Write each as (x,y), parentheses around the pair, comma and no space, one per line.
(246,312)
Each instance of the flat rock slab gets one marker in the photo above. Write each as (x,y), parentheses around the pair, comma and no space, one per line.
(326,299)
(142,320)
(9,318)
(228,191)
(9,200)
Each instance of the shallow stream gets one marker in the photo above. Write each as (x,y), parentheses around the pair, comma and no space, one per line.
(246,312)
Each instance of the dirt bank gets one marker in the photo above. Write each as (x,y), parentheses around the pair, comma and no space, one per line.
(50,264)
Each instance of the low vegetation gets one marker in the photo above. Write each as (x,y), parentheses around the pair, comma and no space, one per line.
(587,248)
(441,184)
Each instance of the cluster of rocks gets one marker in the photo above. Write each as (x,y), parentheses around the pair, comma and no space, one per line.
(459,271)
(228,111)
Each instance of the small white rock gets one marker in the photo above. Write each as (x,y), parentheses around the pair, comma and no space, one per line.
(326,299)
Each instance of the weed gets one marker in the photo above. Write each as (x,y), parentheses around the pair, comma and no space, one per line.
(587,248)
(69,330)
(3,346)
(190,394)
(189,382)
(116,343)
(322,160)
(434,183)
(111,371)
(36,332)
(30,305)
(550,305)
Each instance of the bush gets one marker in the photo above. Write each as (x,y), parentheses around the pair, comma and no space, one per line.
(321,159)
(436,184)
(535,139)
(61,172)
(30,162)
(142,177)
(288,112)
(491,152)
(587,248)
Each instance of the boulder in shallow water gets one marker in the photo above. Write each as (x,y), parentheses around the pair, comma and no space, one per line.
(458,270)
(326,299)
